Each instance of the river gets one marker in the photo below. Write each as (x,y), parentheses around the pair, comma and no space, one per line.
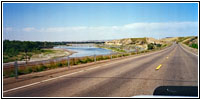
(85,50)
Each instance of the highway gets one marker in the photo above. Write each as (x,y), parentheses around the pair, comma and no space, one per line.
(138,75)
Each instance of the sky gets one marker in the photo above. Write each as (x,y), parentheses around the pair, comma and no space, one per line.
(98,21)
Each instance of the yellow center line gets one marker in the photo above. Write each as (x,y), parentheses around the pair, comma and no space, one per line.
(157,68)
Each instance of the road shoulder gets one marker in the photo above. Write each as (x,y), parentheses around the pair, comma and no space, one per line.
(192,50)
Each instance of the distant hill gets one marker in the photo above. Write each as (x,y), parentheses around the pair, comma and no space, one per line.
(178,39)
(135,44)
(170,39)
(136,41)
(191,41)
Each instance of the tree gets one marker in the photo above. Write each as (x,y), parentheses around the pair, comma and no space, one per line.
(158,45)
(150,46)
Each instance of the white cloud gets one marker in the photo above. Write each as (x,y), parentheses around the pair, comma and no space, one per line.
(28,29)
(172,27)
(156,30)
(62,29)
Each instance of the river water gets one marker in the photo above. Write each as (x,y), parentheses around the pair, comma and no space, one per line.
(85,50)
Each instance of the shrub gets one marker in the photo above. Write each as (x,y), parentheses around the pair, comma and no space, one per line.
(30,69)
(194,46)
(34,69)
(83,60)
(72,61)
(79,61)
(106,57)
(120,55)
(150,46)
(114,56)
(64,62)
(146,51)
(164,45)
(20,72)
(9,73)
(59,64)
(99,58)
(89,59)
(126,54)
(75,61)
(158,45)
(133,53)
(52,65)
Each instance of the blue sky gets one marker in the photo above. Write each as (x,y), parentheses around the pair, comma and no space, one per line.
(97,21)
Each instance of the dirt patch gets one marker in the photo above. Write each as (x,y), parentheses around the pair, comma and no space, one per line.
(53,53)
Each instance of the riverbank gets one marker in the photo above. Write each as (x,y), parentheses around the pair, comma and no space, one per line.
(43,54)
(54,53)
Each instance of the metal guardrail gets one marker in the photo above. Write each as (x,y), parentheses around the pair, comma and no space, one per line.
(56,60)
(16,65)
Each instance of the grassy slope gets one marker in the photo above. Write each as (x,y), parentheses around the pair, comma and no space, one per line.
(191,42)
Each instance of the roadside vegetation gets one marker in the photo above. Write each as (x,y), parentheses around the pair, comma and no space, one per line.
(23,50)
(10,71)
(192,42)
(194,46)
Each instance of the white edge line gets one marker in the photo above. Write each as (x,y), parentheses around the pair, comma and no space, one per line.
(69,74)
(47,80)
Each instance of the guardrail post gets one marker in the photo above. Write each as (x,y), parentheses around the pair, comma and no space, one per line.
(68,62)
(94,57)
(16,70)
(111,56)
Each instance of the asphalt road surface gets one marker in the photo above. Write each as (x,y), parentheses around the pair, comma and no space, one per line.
(128,77)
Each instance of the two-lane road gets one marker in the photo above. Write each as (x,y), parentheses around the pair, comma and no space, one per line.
(129,77)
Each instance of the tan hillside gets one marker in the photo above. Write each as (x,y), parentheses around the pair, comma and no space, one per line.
(193,39)
(119,42)
(152,40)
(170,39)
(178,39)
(134,44)
(136,41)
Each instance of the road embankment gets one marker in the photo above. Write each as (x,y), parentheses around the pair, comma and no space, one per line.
(192,50)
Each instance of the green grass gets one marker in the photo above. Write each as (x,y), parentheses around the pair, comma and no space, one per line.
(45,51)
